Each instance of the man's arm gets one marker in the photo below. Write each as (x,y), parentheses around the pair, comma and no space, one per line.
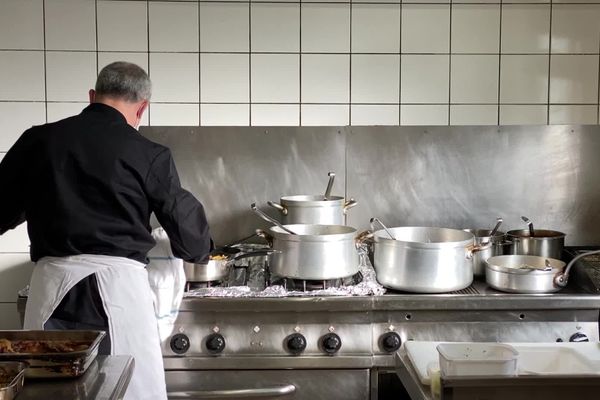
(12,180)
(178,211)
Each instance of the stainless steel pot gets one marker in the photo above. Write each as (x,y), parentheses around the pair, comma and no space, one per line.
(545,243)
(313,209)
(498,247)
(523,274)
(316,252)
(424,260)
(216,269)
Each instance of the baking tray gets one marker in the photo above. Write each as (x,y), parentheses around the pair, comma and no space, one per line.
(16,369)
(55,365)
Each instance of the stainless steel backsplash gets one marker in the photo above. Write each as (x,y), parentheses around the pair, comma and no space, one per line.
(450,176)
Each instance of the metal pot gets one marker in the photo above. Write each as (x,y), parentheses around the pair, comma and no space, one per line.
(544,243)
(482,237)
(217,269)
(424,260)
(523,274)
(313,209)
(315,252)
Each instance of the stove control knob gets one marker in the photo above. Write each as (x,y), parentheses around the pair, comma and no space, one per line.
(296,343)
(215,343)
(180,343)
(579,337)
(390,342)
(331,343)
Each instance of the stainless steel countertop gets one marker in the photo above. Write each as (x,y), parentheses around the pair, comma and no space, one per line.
(107,378)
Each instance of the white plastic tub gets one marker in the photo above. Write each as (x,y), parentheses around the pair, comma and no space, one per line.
(474,359)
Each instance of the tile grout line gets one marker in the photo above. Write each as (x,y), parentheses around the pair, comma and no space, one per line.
(598,83)
(400,70)
(499,61)
(549,64)
(249,63)
(350,66)
(45,61)
(451,7)
(300,65)
(148,48)
(198,15)
(96,26)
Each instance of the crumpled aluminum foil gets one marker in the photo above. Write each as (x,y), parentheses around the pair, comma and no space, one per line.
(367,287)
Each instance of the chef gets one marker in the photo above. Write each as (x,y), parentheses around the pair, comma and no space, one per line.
(86,185)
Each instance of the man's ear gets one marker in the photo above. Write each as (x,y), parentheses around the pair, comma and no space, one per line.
(92,94)
(140,111)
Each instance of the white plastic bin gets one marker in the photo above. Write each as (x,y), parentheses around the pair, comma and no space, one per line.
(474,359)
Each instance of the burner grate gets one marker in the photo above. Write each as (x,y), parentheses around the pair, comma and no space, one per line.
(470,290)
(302,285)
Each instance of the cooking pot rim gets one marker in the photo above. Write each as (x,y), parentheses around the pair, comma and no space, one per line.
(347,233)
(311,200)
(540,234)
(492,264)
(381,236)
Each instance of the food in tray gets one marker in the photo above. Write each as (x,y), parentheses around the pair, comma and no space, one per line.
(6,376)
(42,346)
(218,257)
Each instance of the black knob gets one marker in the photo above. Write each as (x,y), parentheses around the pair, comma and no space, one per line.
(390,342)
(331,343)
(215,343)
(296,343)
(180,343)
(579,337)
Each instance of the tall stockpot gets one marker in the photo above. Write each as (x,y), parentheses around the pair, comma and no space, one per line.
(543,243)
(314,252)
(424,259)
(309,209)
(498,247)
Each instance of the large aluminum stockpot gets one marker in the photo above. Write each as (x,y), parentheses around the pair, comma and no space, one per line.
(544,243)
(498,247)
(316,252)
(523,274)
(424,259)
(308,209)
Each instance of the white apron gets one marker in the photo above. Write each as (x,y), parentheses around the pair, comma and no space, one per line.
(125,292)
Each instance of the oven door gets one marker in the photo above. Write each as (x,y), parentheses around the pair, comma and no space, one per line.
(350,384)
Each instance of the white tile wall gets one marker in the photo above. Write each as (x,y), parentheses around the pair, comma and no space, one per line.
(574,79)
(173,26)
(325,28)
(22,24)
(569,114)
(225,115)
(424,115)
(475,28)
(105,58)
(576,28)
(375,78)
(175,77)
(523,114)
(275,78)
(9,317)
(224,27)
(473,115)
(15,270)
(474,79)
(425,28)
(325,78)
(275,27)
(58,111)
(325,115)
(275,114)
(374,115)
(16,118)
(425,78)
(22,75)
(174,114)
(375,28)
(524,79)
(80,31)
(118,20)
(525,28)
(70,75)
(224,78)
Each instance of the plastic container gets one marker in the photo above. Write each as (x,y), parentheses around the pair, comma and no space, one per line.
(474,359)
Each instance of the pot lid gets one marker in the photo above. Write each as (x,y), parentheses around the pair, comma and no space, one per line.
(520,264)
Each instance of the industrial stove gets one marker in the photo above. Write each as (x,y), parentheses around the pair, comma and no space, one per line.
(245,340)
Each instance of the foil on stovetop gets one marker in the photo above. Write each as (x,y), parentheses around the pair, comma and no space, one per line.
(367,287)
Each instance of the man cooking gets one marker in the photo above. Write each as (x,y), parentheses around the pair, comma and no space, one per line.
(86,186)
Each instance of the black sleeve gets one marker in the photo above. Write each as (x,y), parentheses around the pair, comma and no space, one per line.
(12,180)
(177,210)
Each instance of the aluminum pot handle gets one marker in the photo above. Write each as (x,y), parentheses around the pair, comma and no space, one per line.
(266,236)
(474,248)
(349,204)
(275,391)
(279,207)
(561,279)
(364,237)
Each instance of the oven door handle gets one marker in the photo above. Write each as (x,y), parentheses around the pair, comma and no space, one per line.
(275,391)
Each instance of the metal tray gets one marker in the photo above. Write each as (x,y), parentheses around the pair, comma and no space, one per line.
(16,369)
(55,365)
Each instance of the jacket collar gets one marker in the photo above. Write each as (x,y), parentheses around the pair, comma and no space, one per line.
(107,111)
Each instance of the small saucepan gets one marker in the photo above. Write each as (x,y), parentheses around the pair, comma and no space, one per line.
(219,264)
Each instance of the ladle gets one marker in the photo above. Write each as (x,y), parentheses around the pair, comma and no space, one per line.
(331,176)
(530,225)
(374,219)
(270,219)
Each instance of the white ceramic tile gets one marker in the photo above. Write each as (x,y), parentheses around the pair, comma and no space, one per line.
(16,118)
(79,33)
(523,114)
(325,27)
(22,75)
(15,240)
(425,79)
(105,58)
(58,111)
(574,79)
(376,28)
(225,114)
(275,27)
(70,75)
(175,77)
(325,78)
(224,78)
(325,114)
(375,78)
(473,115)
(423,115)
(173,26)
(576,28)
(275,115)
(15,272)
(371,115)
(174,114)
(122,26)
(562,114)
(474,78)
(275,78)
(530,1)
(22,24)
(524,79)
(370,1)
(475,28)
(9,316)
(525,28)
(224,27)
(576,1)
(426,1)
(425,28)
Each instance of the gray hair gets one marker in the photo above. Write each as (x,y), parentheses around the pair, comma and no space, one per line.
(125,81)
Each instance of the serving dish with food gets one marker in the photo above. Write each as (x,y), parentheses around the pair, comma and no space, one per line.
(12,376)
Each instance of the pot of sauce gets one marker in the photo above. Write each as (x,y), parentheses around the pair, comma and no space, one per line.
(543,243)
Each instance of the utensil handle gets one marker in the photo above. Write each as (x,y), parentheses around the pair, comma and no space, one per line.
(279,207)
(331,176)
(349,204)
(275,391)
(374,219)
(267,218)
(562,279)
(498,223)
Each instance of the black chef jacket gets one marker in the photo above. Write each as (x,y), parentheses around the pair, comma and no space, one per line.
(88,184)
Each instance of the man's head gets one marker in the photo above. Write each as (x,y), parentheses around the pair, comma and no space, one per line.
(124,86)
